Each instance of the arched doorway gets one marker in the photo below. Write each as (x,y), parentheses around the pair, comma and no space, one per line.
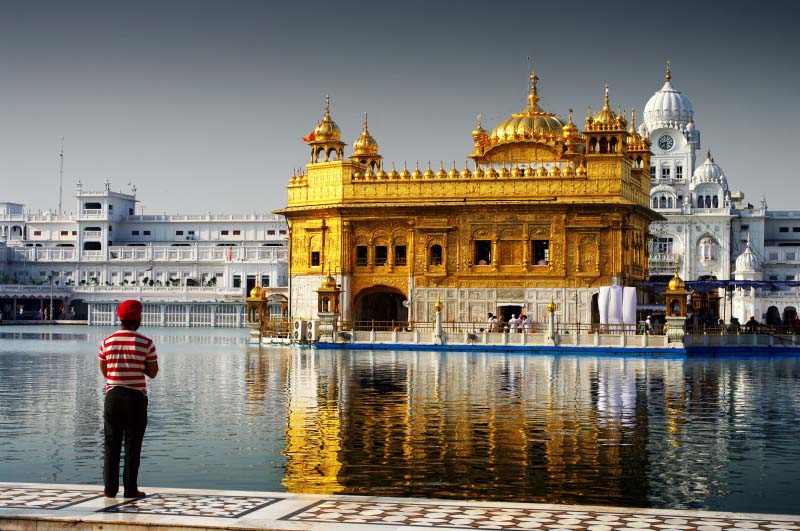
(380,304)
(773,316)
(789,318)
(595,310)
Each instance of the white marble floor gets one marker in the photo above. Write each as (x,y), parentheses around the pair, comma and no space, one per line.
(23,504)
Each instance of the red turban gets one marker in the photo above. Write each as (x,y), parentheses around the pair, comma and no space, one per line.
(130,310)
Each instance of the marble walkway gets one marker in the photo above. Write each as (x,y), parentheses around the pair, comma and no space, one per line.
(43,507)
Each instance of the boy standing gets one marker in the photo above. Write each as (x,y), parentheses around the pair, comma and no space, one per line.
(126,357)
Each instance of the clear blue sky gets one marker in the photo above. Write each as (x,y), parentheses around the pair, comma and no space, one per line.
(202,104)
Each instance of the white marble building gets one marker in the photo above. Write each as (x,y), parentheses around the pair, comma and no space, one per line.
(187,269)
(708,226)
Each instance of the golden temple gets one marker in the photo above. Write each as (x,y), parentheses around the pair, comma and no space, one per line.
(546,211)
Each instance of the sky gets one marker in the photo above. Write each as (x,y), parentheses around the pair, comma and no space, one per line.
(202,105)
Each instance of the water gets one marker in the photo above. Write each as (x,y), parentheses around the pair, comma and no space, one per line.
(708,433)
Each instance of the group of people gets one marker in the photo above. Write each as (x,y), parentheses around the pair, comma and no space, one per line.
(44,313)
(521,324)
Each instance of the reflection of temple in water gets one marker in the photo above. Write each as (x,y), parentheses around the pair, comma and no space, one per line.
(617,431)
(464,425)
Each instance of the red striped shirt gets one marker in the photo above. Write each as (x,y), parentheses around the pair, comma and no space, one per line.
(125,353)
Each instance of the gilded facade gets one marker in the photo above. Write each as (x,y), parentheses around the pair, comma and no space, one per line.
(544,210)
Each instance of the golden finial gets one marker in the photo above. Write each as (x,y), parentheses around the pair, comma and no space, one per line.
(365,121)
(480,118)
(327,105)
(551,306)
(633,119)
(533,96)
(570,114)
(668,76)
(437,307)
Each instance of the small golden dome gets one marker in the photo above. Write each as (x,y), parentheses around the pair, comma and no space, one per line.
(405,173)
(453,173)
(327,130)
(256,292)
(606,116)
(504,173)
(329,282)
(479,173)
(582,171)
(676,284)
(569,171)
(555,171)
(393,174)
(380,174)
(416,174)
(479,132)
(516,173)
(529,171)
(465,173)
(369,174)
(429,172)
(440,173)
(542,171)
(365,144)
(570,130)
(491,173)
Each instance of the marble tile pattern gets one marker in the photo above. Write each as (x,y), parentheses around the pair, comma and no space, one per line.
(193,505)
(39,498)
(502,518)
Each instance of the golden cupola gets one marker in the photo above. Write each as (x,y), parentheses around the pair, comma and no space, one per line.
(365,144)
(326,138)
(606,118)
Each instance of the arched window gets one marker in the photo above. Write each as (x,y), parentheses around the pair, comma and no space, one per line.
(435,255)
(715,201)
(603,145)
(612,146)
(708,249)
(669,202)
(663,202)
(655,202)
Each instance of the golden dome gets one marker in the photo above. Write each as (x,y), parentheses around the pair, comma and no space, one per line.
(569,171)
(504,172)
(479,131)
(365,144)
(393,174)
(429,172)
(491,173)
(405,173)
(516,173)
(327,130)
(440,173)
(606,116)
(416,174)
(478,173)
(676,284)
(570,130)
(256,292)
(529,171)
(542,171)
(531,122)
(465,173)
(381,174)
(329,283)
(453,173)
(582,171)
(555,171)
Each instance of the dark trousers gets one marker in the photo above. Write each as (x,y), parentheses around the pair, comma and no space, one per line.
(125,419)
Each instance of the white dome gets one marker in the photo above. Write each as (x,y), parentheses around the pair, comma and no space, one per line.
(668,108)
(748,262)
(709,172)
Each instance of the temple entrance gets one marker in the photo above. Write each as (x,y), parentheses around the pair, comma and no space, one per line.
(595,309)
(790,318)
(773,316)
(506,311)
(380,304)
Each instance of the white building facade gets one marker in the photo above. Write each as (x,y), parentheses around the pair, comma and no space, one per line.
(707,228)
(188,270)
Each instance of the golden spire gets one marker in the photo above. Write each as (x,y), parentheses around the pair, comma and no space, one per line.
(327,106)
(605,103)
(365,144)
(533,97)
(668,76)
(633,120)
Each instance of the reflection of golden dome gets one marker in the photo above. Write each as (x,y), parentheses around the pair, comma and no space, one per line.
(256,292)
(365,144)
(327,130)
(531,122)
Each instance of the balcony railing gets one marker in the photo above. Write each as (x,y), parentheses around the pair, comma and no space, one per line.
(92,213)
(92,234)
(92,256)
